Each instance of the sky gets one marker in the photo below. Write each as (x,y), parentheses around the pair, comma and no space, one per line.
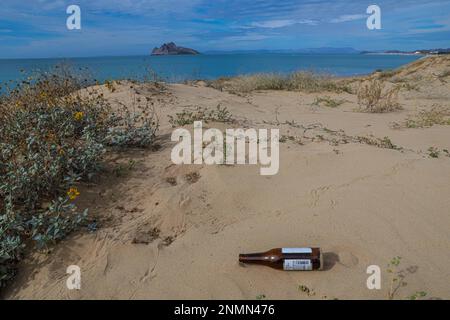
(37,29)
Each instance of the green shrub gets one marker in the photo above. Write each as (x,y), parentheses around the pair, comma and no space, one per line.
(54,133)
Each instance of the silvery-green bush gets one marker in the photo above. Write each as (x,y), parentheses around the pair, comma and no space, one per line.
(54,133)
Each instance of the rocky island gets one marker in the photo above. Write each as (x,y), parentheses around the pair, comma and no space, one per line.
(172,49)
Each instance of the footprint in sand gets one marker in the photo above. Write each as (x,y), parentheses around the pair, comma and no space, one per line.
(316,194)
(347,259)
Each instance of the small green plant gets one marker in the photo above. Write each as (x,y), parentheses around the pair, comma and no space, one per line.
(286,138)
(327,102)
(186,117)
(433,152)
(306,290)
(437,115)
(221,114)
(385,143)
(418,295)
(172,181)
(134,126)
(447,153)
(410,87)
(123,169)
(260,297)
(192,177)
(396,277)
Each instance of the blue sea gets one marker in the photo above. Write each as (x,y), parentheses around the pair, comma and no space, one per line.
(207,66)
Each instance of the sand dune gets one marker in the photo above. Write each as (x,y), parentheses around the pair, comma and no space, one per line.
(169,231)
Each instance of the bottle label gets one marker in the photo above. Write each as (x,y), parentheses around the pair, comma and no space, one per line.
(297,264)
(296,250)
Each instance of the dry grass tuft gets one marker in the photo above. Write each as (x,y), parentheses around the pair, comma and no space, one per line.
(387,74)
(373,98)
(445,74)
(297,81)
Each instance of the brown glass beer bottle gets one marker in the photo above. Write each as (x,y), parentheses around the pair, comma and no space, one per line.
(289,259)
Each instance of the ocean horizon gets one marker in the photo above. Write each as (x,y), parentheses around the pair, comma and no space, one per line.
(206,66)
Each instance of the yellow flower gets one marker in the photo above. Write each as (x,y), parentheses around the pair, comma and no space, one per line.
(73,193)
(78,115)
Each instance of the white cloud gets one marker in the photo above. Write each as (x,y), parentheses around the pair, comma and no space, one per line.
(274,24)
(247,37)
(348,17)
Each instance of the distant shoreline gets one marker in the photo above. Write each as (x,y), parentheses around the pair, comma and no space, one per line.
(217,53)
(397,54)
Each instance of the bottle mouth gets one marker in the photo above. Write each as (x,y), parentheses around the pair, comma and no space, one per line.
(321,261)
(246,258)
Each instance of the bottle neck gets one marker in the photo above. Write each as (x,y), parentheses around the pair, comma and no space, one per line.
(255,257)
